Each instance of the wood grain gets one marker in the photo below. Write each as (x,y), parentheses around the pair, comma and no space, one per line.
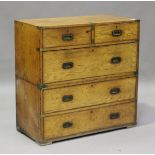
(90,80)
(88,62)
(28,109)
(40,56)
(53,37)
(75,21)
(88,120)
(103,33)
(88,95)
(85,46)
(27,40)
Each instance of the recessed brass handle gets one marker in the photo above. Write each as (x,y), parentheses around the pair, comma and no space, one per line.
(114,115)
(67,65)
(116,60)
(67,37)
(67,98)
(115,91)
(67,124)
(117,33)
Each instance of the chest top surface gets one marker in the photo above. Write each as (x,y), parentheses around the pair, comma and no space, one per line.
(75,21)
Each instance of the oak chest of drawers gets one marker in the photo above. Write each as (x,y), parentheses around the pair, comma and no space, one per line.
(75,75)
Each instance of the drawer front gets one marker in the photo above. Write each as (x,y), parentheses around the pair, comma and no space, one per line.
(89,62)
(66,36)
(87,95)
(116,32)
(89,120)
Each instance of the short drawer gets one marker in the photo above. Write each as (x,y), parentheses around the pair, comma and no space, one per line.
(89,62)
(59,126)
(66,98)
(116,32)
(60,37)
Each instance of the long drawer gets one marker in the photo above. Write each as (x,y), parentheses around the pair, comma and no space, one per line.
(89,62)
(78,96)
(89,120)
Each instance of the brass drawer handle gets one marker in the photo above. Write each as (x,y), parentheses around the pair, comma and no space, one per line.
(117,33)
(67,98)
(116,60)
(114,115)
(67,124)
(115,91)
(67,65)
(67,37)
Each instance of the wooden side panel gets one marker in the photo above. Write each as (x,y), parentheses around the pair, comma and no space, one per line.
(88,95)
(89,120)
(28,109)
(89,62)
(54,37)
(103,33)
(27,40)
(138,46)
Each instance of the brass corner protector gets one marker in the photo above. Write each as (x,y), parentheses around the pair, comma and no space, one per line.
(136,73)
(41,86)
(40,28)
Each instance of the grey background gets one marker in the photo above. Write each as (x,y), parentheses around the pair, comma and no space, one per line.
(140,139)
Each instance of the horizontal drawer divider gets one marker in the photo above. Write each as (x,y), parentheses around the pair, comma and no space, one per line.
(87,108)
(85,46)
(82,81)
(89,80)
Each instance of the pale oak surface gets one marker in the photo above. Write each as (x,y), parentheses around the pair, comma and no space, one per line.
(77,20)
(88,95)
(140,139)
(86,61)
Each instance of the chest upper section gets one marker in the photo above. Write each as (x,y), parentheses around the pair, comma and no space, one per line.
(91,34)
(84,31)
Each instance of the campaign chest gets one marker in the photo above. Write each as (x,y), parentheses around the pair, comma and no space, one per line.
(75,75)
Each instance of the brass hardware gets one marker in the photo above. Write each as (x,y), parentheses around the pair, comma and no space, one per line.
(67,37)
(136,73)
(41,86)
(67,124)
(115,115)
(67,98)
(117,33)
(67,65)
(116,60)
(114,91)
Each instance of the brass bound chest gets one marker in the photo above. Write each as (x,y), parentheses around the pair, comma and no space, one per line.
(75,75)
